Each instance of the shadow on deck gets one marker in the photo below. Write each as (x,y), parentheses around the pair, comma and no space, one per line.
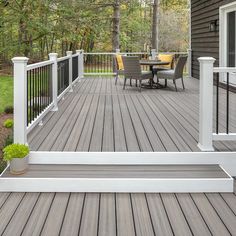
(101,117)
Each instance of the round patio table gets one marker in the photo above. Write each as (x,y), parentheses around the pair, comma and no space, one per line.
(151,64)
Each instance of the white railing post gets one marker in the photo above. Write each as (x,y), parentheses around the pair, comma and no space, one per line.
(117,51)
(69,53)
(81,63)
(206,104)
(190,63)
(53,57)
(20,99)
(154,54)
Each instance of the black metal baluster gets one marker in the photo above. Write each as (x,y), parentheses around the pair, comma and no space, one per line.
(217,103)
(33,94)
(227,106)
(29,104)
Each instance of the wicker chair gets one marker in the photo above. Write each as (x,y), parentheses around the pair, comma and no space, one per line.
(175,74)
(132,70)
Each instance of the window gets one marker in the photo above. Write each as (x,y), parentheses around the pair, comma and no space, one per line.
(228,39)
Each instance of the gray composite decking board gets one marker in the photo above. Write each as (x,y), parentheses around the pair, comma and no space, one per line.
(131,138)
(183,132)
(68,126)
(117,214)
(182,146)
(107,171)
(89,222)
(3,198)
(23,212)
(222,146)
(85,138)
(230,200)
(72,136)
(125,219)
(98,126)
(107,215)
(55,217)
(39,214)
(71,222)
(192,215)
(130,121)
(63,105)
(225,213)
(209,214)
(141,135)
(8,209)
(108,129)
(60,124)
(177,219)
(142,219)
(153,137)
(119,134)
(160,130)
(160,221)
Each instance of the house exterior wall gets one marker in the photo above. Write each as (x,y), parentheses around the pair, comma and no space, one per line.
(204,43)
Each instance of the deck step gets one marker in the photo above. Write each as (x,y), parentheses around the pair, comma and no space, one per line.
(119,178)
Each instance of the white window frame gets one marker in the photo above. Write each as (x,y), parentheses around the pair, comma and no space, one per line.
(224,10)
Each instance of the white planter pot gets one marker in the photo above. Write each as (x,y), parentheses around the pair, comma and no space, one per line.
(19,166)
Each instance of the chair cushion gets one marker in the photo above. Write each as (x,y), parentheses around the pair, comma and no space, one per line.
(147,75)
(167,58)
(165,74)
(119,62)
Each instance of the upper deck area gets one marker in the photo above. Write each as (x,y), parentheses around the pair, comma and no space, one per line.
(99,116)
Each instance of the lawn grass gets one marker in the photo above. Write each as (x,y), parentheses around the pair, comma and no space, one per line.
(6,92)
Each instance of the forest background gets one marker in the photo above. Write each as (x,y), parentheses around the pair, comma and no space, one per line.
(36,28)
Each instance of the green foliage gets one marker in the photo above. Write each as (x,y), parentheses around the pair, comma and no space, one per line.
(15,151)
(9,109)
(8,123)
(3,165)
(6,91)
(9,140)
(41,27)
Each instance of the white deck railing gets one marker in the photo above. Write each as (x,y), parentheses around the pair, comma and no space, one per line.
(100,63)
(30,81)
(206,134)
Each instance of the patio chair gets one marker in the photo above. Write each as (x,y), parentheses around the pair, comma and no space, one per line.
(132,70)
(175,74)
(119,67)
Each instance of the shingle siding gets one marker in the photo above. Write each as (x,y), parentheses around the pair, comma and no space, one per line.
(204,43)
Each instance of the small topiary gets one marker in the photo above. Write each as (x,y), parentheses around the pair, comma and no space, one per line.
(9,110)
(15,150)
(8,123)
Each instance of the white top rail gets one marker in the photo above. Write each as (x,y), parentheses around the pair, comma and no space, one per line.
(130,53)
(224,69)
(63,58)
(38,65)
(75,55)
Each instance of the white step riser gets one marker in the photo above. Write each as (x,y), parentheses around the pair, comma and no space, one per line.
(115,185)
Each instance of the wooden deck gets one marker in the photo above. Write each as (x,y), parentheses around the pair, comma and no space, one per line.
(117,214)
(99,116)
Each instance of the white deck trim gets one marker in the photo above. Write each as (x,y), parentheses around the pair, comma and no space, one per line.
(225,159)
(131,185)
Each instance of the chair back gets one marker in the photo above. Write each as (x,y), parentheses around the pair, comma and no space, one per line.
(180,67)
(167,58)
(132,68)
(119,62)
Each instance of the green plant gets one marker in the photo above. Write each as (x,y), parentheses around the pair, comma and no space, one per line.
(8,123)
(15,151)
(9,140)
(9,109)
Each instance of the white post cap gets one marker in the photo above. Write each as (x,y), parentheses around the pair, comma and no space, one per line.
(53,56)
(206,59)
(69,53)
(20,59)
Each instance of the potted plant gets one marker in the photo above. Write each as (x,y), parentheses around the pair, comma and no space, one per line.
(18,155)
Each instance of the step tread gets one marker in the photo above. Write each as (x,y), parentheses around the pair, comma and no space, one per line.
(123,171)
